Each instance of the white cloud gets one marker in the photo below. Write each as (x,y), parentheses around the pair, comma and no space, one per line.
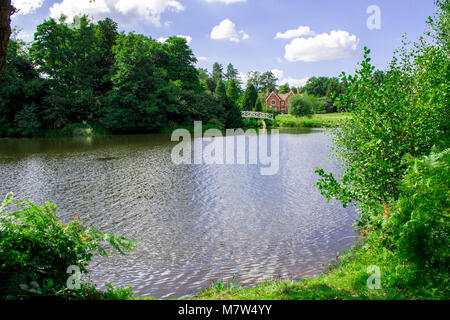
(202,59)
(294,33)
(71,8)
(226,30)
(226,1)
(122,10)
(147,10)
(335,45)
(27,6)
(293,82)
(243,78)
(188,38)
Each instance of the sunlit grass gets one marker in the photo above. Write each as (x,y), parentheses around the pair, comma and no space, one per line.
(317,120)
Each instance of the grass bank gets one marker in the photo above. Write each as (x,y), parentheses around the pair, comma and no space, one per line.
(346,280)
(316,121)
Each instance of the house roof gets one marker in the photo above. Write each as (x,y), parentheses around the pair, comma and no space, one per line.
(284,96)
(281,96)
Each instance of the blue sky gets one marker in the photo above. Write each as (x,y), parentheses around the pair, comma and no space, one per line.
(326,37)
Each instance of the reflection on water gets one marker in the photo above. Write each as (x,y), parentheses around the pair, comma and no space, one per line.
(194,223)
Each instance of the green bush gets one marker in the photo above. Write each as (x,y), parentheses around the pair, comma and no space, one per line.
(419,228)
(37,248)
(301,106)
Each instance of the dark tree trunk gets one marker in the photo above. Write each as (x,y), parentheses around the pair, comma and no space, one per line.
(6,11)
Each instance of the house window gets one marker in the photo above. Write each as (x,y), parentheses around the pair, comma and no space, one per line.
(282,103)
(273,102)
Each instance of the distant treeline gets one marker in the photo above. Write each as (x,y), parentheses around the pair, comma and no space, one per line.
(89,75)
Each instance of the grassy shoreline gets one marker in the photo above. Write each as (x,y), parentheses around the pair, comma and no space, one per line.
(316,121)
(345,281)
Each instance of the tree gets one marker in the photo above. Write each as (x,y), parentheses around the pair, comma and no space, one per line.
(139,101)
(268,81)
(231,74)
(21,90)
(106,34)
(217,73)
(249,99)
(181,62)
(317,86)
(301,106)
(6,11)
(221,92)
(233,91)
(258,105)
(284,88)
(332,87)
(404,115)
(262,81)
(70,57)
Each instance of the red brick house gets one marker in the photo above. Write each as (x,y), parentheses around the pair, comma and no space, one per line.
(278,101)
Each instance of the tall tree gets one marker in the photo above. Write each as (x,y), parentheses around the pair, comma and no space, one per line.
(268,81)
(69,56)
(284,88)
(258,105)
(21,90)
(317,86)
(139,101)
(217,73)
(250,97)
(6,11)
(106,33)
(232,73)
(262,81)
(221,92)
(181,63)
(233,90)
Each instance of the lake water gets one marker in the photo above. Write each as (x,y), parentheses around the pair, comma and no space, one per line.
(195,223)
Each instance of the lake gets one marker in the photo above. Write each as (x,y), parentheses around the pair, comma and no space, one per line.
(194,223)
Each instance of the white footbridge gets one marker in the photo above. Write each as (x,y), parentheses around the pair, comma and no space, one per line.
(257,115)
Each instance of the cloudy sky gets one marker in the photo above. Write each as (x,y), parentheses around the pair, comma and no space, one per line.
(295,39)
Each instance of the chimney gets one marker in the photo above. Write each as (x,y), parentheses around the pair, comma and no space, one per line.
(268,91)
(298,90)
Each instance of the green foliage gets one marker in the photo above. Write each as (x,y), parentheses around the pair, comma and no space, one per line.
(20,90)
(217,74)
(419,228)
(301,105)
(90,74)
(232,73)
(233,91)
(250,97)
(27,121)
(395,151)
(325,105)
(402,115)
(284,88)
(37,249)
(262,81)
(258,105)
(181,61)
(221,92)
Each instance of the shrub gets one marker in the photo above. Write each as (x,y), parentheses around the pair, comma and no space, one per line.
(37,249)
(301,106)
(419,228)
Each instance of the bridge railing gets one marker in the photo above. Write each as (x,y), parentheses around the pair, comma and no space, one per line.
(257,115)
